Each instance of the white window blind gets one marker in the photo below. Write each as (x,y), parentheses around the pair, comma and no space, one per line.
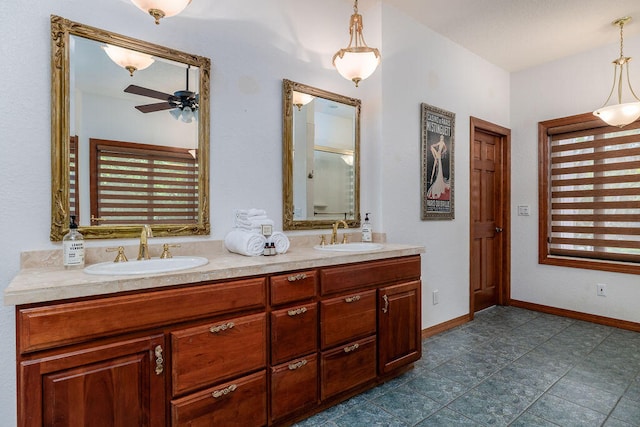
(142,183)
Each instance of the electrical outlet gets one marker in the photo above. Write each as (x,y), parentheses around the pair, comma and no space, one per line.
(601,290)
(436,297)
(236,216)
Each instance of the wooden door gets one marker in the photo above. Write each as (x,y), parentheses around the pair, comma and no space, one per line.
(489,204)
(399,329)
(113,385)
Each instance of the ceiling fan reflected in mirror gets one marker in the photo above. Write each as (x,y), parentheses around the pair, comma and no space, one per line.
(183,104)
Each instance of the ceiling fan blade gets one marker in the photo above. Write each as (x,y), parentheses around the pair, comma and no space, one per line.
(143,91)
(150,108)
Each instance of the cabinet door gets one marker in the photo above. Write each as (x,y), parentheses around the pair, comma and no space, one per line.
(294,386)
(206,354)
(113,385)
(347,318)
(399,333)
(242,402)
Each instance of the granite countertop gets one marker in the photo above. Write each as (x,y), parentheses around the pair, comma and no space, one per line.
(49,281)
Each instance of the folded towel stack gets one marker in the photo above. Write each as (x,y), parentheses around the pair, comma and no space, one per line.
(246,238)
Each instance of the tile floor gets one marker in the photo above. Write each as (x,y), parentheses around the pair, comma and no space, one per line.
(512,367)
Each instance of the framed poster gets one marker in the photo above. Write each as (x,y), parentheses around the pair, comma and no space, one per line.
(437,137)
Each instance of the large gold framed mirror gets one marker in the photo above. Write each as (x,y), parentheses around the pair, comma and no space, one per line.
(321,158)
(129,135)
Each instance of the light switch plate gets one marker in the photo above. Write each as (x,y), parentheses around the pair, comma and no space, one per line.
(523,210)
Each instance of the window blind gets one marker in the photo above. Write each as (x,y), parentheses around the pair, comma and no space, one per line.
(143,183)
(594,193)
(73,178)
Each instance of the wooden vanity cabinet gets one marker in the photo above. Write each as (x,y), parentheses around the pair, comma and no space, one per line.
(264,350)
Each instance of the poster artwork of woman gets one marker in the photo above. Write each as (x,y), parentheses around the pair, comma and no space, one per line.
(438,189)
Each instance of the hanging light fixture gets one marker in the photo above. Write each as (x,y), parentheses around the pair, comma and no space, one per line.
(128,59)
(301,99)
(620,114)
(161,8)
(357,61)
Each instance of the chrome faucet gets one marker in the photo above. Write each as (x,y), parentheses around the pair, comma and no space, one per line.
(334,233)
(143,251)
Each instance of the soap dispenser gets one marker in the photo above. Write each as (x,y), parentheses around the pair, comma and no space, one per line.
(367,229)
(73,246)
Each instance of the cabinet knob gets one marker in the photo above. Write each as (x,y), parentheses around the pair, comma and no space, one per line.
(224,391)
(351,348)
(159,360)
(385,298)
(297,311)
(220,328)
(352,299)
(299,364)
(296,277)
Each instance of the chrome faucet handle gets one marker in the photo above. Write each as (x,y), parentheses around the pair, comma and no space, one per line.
(121,257)
(165,250)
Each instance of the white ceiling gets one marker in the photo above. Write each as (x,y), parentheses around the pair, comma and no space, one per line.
(518,34)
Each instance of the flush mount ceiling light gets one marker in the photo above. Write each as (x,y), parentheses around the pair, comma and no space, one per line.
(161,8)
(130,60)
(357,61)
(620,114)
(301,99)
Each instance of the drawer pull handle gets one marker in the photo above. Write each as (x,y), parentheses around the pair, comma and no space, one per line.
(224,391)
(352,299)
(386,303)
(351,348)
(296,277)
(297,365)
(220,328)
(159,360)
(297,311)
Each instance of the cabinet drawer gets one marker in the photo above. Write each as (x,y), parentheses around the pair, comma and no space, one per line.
(369,274)
(214,352)
(347,366)
(294,386)
(67,323)
(294,332)
(242,402)
(347,317)
(292,287)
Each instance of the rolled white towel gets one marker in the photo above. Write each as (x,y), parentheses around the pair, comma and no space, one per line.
(281,242)
(245,242)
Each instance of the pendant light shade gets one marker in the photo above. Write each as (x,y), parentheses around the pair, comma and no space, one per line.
(620,114)
(130,60)
(161,8)
(357,61)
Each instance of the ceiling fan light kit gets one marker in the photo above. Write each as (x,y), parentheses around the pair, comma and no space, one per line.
(620,114)
(357,61)
(159,9)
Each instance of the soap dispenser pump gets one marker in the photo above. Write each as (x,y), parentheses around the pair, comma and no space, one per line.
(367,229)
(73,246)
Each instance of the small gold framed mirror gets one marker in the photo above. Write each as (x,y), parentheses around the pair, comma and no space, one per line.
(321,158)
(129,135)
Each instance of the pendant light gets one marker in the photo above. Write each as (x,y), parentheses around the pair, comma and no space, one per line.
(161,8)
(301,99)
(620,114)
(357,61)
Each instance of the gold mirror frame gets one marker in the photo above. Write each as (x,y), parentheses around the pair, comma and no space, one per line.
(288,221)
(61,29)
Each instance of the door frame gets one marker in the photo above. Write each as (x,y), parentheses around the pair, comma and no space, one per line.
(504,134)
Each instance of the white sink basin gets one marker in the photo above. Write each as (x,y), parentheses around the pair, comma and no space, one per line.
(350,247)
(148,266)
